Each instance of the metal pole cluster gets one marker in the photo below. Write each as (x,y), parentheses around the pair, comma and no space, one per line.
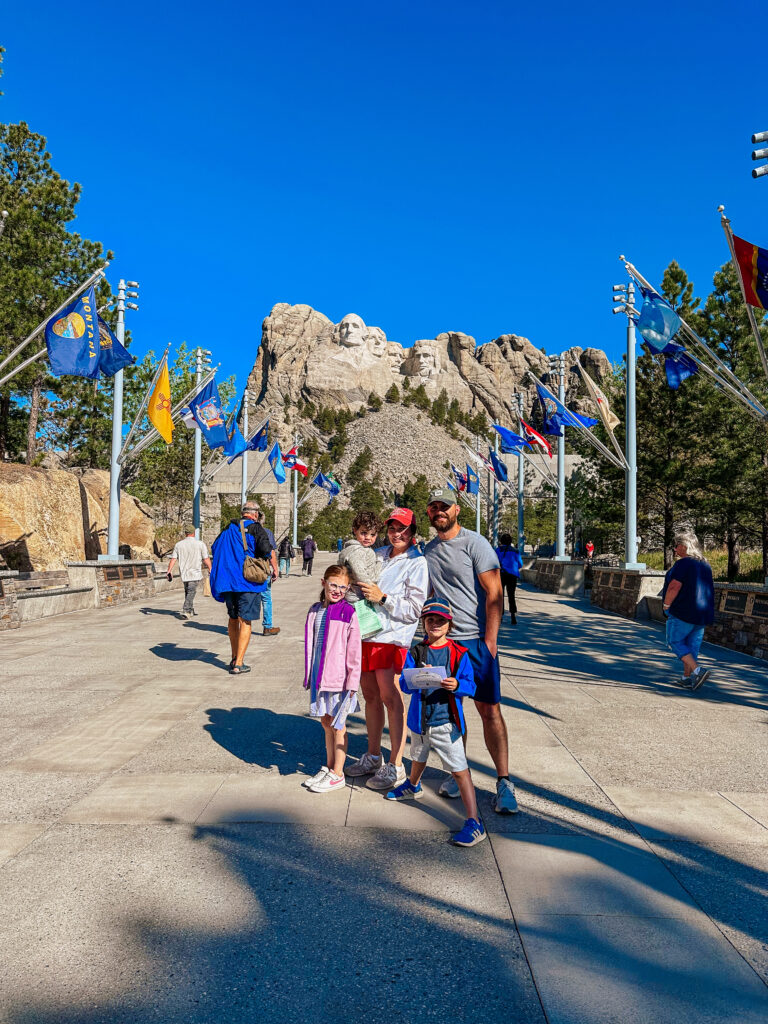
(560,553)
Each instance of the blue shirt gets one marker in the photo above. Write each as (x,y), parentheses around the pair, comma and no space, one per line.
(510,560)
(695,603)
(227,557)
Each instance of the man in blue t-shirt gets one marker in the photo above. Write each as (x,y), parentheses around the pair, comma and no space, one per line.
(689,604)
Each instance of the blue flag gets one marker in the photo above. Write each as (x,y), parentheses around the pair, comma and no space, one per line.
(235,446)
(498,467)
(206,408)
(258,443)
(473,481)
(112,355)
(328,484)
(275,459)
(556,416)
(72,339)
(657,322)
(510,441)
(679,368)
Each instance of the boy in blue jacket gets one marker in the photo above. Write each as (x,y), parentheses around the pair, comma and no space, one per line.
(436,715)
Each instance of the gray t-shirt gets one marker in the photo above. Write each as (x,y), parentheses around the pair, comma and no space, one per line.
(453,568)
(190,554)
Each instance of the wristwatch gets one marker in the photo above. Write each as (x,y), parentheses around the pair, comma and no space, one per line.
(383,600)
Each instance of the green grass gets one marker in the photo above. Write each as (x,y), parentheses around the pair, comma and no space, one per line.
(751,564)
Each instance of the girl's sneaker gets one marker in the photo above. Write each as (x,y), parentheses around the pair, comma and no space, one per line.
(405,791)
(315,778)
(472,833)
(328,782)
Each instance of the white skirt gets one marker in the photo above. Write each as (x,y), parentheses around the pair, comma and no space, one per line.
(336,703)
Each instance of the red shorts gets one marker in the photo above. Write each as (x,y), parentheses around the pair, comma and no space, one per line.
(383,656)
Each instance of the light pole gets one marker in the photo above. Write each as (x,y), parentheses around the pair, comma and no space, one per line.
(520,487)
(624,296)
(760,154)
(495,529)
(244,467)
(557,365)
(113,529)
(202,355)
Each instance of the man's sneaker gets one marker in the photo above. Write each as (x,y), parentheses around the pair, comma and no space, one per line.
(682,681)
(271,630)
(366,765)
(405,791)
(505,802)
(450,788)
(316,777)
(387,776)
(698,676)
(183,615)
(472,834)
(328,782)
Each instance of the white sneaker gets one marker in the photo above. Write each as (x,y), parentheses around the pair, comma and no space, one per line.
(316,778)
(386,777)
(328,782)
(450,788)
(366,765)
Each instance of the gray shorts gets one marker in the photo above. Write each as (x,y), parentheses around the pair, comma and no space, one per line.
(445,740)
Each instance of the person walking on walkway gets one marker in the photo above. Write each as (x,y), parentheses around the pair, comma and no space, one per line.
(191,554)
(266,618)
(285,554)
(511,563)
(688,599)
(308,549)
(464,573)
(398,596)
(243,599)
(332,673)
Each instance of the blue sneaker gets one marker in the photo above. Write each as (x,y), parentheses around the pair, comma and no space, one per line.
(505,802)
(472,833)
(405,791)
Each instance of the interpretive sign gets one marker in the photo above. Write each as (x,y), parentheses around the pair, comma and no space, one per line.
(128,572)
(736,602)
(760,606)
(112,573)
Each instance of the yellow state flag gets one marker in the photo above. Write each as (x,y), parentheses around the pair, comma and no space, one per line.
(160,405)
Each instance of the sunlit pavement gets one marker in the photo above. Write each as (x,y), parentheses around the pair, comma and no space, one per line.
(160,860)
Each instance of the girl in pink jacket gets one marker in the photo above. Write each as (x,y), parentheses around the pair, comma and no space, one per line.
(332,655)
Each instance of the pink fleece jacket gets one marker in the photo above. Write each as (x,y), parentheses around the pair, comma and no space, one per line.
(341,655)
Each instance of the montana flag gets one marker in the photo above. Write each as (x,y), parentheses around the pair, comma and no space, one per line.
(510,441)
(679,368)
(112,355)
(275,459)
(557,416)
(160,405)
(657,322)
(236,445)
(610,419)
(498,467)
(533,437)
(753,268)
(473,481)
(206,408)
(292,461)
(72,338)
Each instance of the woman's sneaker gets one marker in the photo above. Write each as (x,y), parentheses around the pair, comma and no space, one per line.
(315,778)
(328,782)
(405,791)
(366,765)
(505,802)
(472,834)
(387,776)
(450,788)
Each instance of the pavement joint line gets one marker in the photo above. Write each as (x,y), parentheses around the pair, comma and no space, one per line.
(225,778)
(733,804)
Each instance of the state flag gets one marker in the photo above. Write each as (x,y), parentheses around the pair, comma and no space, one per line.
(753,269)
(112,355)
(499,468)
(534,438)
(160,405)
(72,338)
(473,481)
(275,459)
(292,461)
(206,408)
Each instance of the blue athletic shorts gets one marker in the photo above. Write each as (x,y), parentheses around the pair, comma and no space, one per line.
(486,669)
(243,605)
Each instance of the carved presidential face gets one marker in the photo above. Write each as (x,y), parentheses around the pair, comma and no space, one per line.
(395,355)
(423,361)
(376,340)
(352,331)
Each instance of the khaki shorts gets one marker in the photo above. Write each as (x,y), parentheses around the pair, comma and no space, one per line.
(445,740)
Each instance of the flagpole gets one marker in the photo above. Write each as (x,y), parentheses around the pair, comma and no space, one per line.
(750,311)
(558,363)
(244,456)
(609,431)
(198,454)
(496,498)
(40,327)
(295,508)
(520,486)
(630,473)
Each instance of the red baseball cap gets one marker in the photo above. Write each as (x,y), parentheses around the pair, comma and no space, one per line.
(403,516)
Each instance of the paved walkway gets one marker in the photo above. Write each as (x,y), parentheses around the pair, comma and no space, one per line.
(161,862)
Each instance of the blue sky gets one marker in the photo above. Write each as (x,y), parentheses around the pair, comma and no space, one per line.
(430,166)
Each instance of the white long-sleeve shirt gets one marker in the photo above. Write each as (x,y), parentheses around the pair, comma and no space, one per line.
(405,581)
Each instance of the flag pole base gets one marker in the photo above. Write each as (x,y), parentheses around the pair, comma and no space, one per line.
(110,558)
(638,566)
(561,558)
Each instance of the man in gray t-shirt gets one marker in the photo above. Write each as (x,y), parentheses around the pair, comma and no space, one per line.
(464,572)
(190,553)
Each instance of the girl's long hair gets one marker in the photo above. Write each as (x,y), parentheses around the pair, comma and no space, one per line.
(329,574)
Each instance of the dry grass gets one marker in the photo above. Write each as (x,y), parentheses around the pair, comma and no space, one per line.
(751,564)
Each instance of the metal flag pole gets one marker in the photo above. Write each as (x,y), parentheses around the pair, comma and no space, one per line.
(113,529)
(244,456)
(630,470)
(40,327)
(750,311)
(588,381)
(495,528)
(295,507)
(560,554)
(201,354)
(144,404)
(520,486)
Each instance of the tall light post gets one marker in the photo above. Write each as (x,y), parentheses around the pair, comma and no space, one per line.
(244,457)
(624,297)
(113,529)
(557,366)
(520,486)
(760,154)
(202,359)
(495,527)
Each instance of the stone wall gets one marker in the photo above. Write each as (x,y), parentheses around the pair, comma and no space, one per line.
(555,577)
(10,616)
(623,591)
(115,584)
(741,619)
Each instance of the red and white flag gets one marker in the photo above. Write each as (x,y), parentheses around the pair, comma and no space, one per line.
(292,461)
(534,437)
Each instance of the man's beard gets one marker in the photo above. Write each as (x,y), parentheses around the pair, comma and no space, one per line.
(444,527)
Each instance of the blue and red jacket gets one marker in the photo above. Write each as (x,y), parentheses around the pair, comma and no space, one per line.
(461,670)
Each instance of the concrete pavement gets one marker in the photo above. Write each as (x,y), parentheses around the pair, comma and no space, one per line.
(159,859)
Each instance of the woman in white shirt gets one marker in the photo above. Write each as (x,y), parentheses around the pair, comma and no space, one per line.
(399,595)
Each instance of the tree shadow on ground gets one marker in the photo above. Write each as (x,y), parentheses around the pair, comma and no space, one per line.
(173,652)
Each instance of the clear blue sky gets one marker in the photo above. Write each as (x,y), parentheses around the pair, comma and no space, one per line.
(431,166)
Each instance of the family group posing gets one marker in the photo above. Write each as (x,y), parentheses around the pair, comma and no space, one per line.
(393,621)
